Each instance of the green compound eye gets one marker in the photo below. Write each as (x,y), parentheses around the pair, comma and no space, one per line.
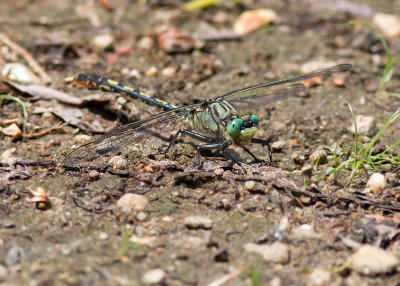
(234,127)
(254,119)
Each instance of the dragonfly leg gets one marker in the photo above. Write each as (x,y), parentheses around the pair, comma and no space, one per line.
(171,143)
(265,142)
(221,146)
(252,155)
(191,134)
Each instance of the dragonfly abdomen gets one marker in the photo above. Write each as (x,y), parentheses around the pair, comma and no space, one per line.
(95,82)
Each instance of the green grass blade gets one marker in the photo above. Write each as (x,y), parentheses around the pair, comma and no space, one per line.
(16,99)
(200,4)
(367,150)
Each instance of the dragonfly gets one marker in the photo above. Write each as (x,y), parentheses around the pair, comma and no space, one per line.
(217,123)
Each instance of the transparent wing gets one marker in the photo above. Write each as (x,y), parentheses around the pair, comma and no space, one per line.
(259,99)
(124,136)
(275,90)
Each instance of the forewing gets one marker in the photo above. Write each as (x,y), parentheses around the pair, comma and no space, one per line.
(259,98)
(124,136)
(280,89)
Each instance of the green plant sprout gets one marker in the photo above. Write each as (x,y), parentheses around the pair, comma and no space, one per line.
(124,245)
(16,99)
(360,155)
(391,60)
(201,4)
(253,271)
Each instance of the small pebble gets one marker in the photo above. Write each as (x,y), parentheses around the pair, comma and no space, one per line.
(253,20)
(305,200)
(132,202)
(149,169)
(249,185)
(319,277)
(141,216)
(151,72)
(167,218)
(219,171)
(19,72)
(118,162)
(307,170)
(319,155)
(376,182)
(13,256)
(103,235)
(371,260)
(80,139)
(305,232)
(102,42)
(387,24)
(278,145)
(154,276)
(220,17)
(276,252)
(168,72)
(135,74)
(339,81)
(93,174)
(364,124)
(12,130)
(196,221)
(298,158)
(149,241)
(146,43)
(276,281)
(7,157)
(3,272)
(391,177)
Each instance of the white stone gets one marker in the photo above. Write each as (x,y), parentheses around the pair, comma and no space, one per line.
(149,241)
(19,72)
(252,20)
(320,156)
(319,277)
(249,185)
(196,221)
(12,130)
(7,158)
(82,138)
(102,42)
(152,71)
(277,252)
(364,124)
(376,182)
(103,235)
(387,24)
(278,145)
(372,260)
(118,162)
(154,276)
(132,202)
(168,72)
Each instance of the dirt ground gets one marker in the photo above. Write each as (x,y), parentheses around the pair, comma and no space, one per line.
(215,224)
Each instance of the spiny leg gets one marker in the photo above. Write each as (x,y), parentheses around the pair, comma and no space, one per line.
(252,155)
(187,132)
(171,143)
(265,142)
(221,146)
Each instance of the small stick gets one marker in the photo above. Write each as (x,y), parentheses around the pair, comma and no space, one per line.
(27,56)
(43,132)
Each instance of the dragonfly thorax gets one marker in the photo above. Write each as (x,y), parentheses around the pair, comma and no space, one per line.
(242,129)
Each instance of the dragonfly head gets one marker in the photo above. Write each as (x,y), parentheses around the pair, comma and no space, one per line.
(242,129)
